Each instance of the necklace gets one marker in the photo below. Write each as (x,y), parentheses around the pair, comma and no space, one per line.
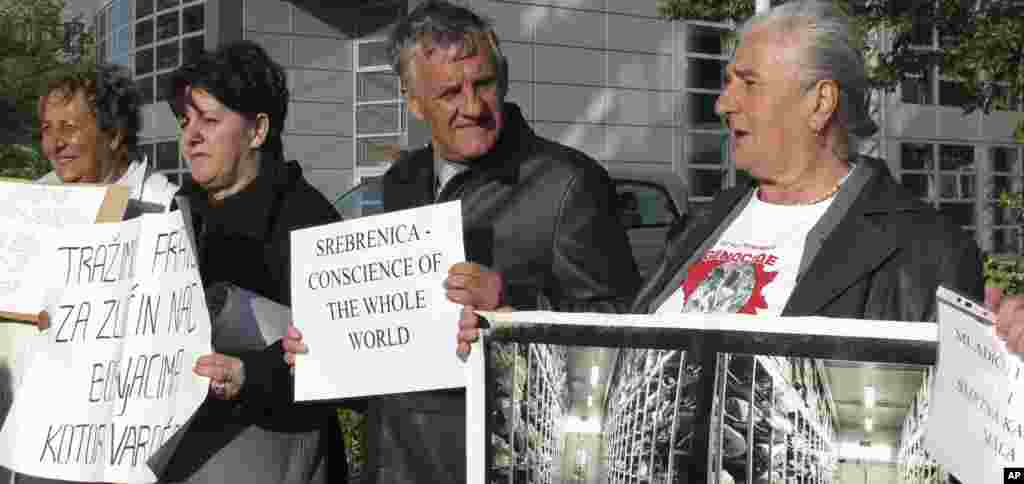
(823,197)
(826,196)
(811,202)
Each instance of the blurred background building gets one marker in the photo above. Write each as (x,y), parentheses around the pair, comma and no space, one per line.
(606,76)
(609,77)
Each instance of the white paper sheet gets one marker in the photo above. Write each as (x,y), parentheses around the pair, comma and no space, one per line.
(53,205)
(23,266)
(112,377)
(975,423)
(367,295)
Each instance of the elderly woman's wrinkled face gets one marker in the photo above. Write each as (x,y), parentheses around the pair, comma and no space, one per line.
(78,150)
(217,142)
(764,105)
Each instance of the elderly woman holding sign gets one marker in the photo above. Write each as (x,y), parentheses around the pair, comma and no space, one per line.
(241,202)
(90,120)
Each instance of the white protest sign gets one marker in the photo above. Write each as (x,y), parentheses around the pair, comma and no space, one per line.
(22,246)
(47,205)
(112,378)
(975,424)
(367,295)
(58,205)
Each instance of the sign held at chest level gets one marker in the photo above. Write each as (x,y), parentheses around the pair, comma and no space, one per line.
(367,293)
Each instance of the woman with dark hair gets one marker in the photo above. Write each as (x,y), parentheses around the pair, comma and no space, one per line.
(90,122)
(241,202)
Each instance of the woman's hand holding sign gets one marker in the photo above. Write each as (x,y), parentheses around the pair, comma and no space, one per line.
(226,374)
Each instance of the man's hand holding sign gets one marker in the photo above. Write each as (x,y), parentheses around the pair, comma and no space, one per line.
(372,288)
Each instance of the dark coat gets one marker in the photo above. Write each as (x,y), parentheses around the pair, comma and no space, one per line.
(877,253)
(244,240)
(541,213)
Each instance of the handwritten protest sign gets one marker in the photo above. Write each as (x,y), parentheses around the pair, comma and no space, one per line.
(59,205)
(368,297)
(976,421)
(112,378)
(49,205)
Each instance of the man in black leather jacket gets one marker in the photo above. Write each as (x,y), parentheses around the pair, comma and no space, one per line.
(540,212)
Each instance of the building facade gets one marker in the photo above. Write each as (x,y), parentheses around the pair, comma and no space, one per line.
(606,76)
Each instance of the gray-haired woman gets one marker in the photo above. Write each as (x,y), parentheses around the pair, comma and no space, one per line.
(90,123)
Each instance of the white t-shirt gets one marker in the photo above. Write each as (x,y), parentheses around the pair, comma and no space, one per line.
(752,268)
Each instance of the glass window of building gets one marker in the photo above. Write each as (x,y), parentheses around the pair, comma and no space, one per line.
(917,89)
(191,47)
(373,54)
(144,62)
(707,161)
(167,55)
(380,112)
(1007,176)
(164,35)
(113,30)
(952,93)
(143,8)
(121,15)
(192,19)
(377,86)
(706,39)
(167,25)
(144,32)
(166,4)
(951,185)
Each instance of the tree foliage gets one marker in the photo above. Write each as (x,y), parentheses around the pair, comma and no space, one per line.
(31,50)
(981,42)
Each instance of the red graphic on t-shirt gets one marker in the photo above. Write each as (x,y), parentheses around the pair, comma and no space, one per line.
(717,285)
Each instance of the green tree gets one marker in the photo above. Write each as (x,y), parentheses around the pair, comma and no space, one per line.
(32,49)
(982,41)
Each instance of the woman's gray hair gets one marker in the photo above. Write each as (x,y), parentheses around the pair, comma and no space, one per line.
(439,23)
(109,92)
(830,49)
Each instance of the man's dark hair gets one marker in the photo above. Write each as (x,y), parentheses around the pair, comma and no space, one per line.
(109,93)
(245,79)
(440,23)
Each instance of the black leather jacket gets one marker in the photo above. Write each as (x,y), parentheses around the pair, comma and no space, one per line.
(541,213)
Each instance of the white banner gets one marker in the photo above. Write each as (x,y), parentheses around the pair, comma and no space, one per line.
(112,378)
(367,295)
(975,424)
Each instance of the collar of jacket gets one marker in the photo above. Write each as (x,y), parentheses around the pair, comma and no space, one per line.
(501,163)
(857,213)
(246,213)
